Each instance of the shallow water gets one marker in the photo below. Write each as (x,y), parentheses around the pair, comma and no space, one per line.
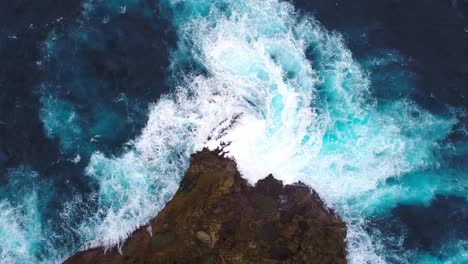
(125,91)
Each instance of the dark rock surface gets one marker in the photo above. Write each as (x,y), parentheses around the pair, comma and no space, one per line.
(217,217)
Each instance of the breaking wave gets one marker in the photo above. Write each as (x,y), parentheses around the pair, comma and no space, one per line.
(289,98)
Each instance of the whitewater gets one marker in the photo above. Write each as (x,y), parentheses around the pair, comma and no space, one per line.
(289,98)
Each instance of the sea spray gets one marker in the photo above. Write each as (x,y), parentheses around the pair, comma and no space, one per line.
(305,113)
(284,92)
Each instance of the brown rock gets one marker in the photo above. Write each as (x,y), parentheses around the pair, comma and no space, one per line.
(203,237)
(267,223)
(162,239)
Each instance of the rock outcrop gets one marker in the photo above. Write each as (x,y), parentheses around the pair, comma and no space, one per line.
(217,217)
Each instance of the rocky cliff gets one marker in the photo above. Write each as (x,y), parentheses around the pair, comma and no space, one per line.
(217,217)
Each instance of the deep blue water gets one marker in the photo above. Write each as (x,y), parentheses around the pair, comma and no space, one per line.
(103,101)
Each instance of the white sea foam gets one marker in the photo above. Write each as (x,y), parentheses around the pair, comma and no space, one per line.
(288,97)
(20,221)
(317,124)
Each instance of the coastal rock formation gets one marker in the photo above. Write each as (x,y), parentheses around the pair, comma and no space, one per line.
(217,217)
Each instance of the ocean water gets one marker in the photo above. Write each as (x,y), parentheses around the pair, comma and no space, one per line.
(120,93)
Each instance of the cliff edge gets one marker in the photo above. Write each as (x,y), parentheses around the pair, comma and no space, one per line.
(217,217)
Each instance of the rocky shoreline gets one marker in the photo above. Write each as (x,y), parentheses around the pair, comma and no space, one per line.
(217,217)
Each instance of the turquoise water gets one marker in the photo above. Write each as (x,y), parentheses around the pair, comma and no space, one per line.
(306,110)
